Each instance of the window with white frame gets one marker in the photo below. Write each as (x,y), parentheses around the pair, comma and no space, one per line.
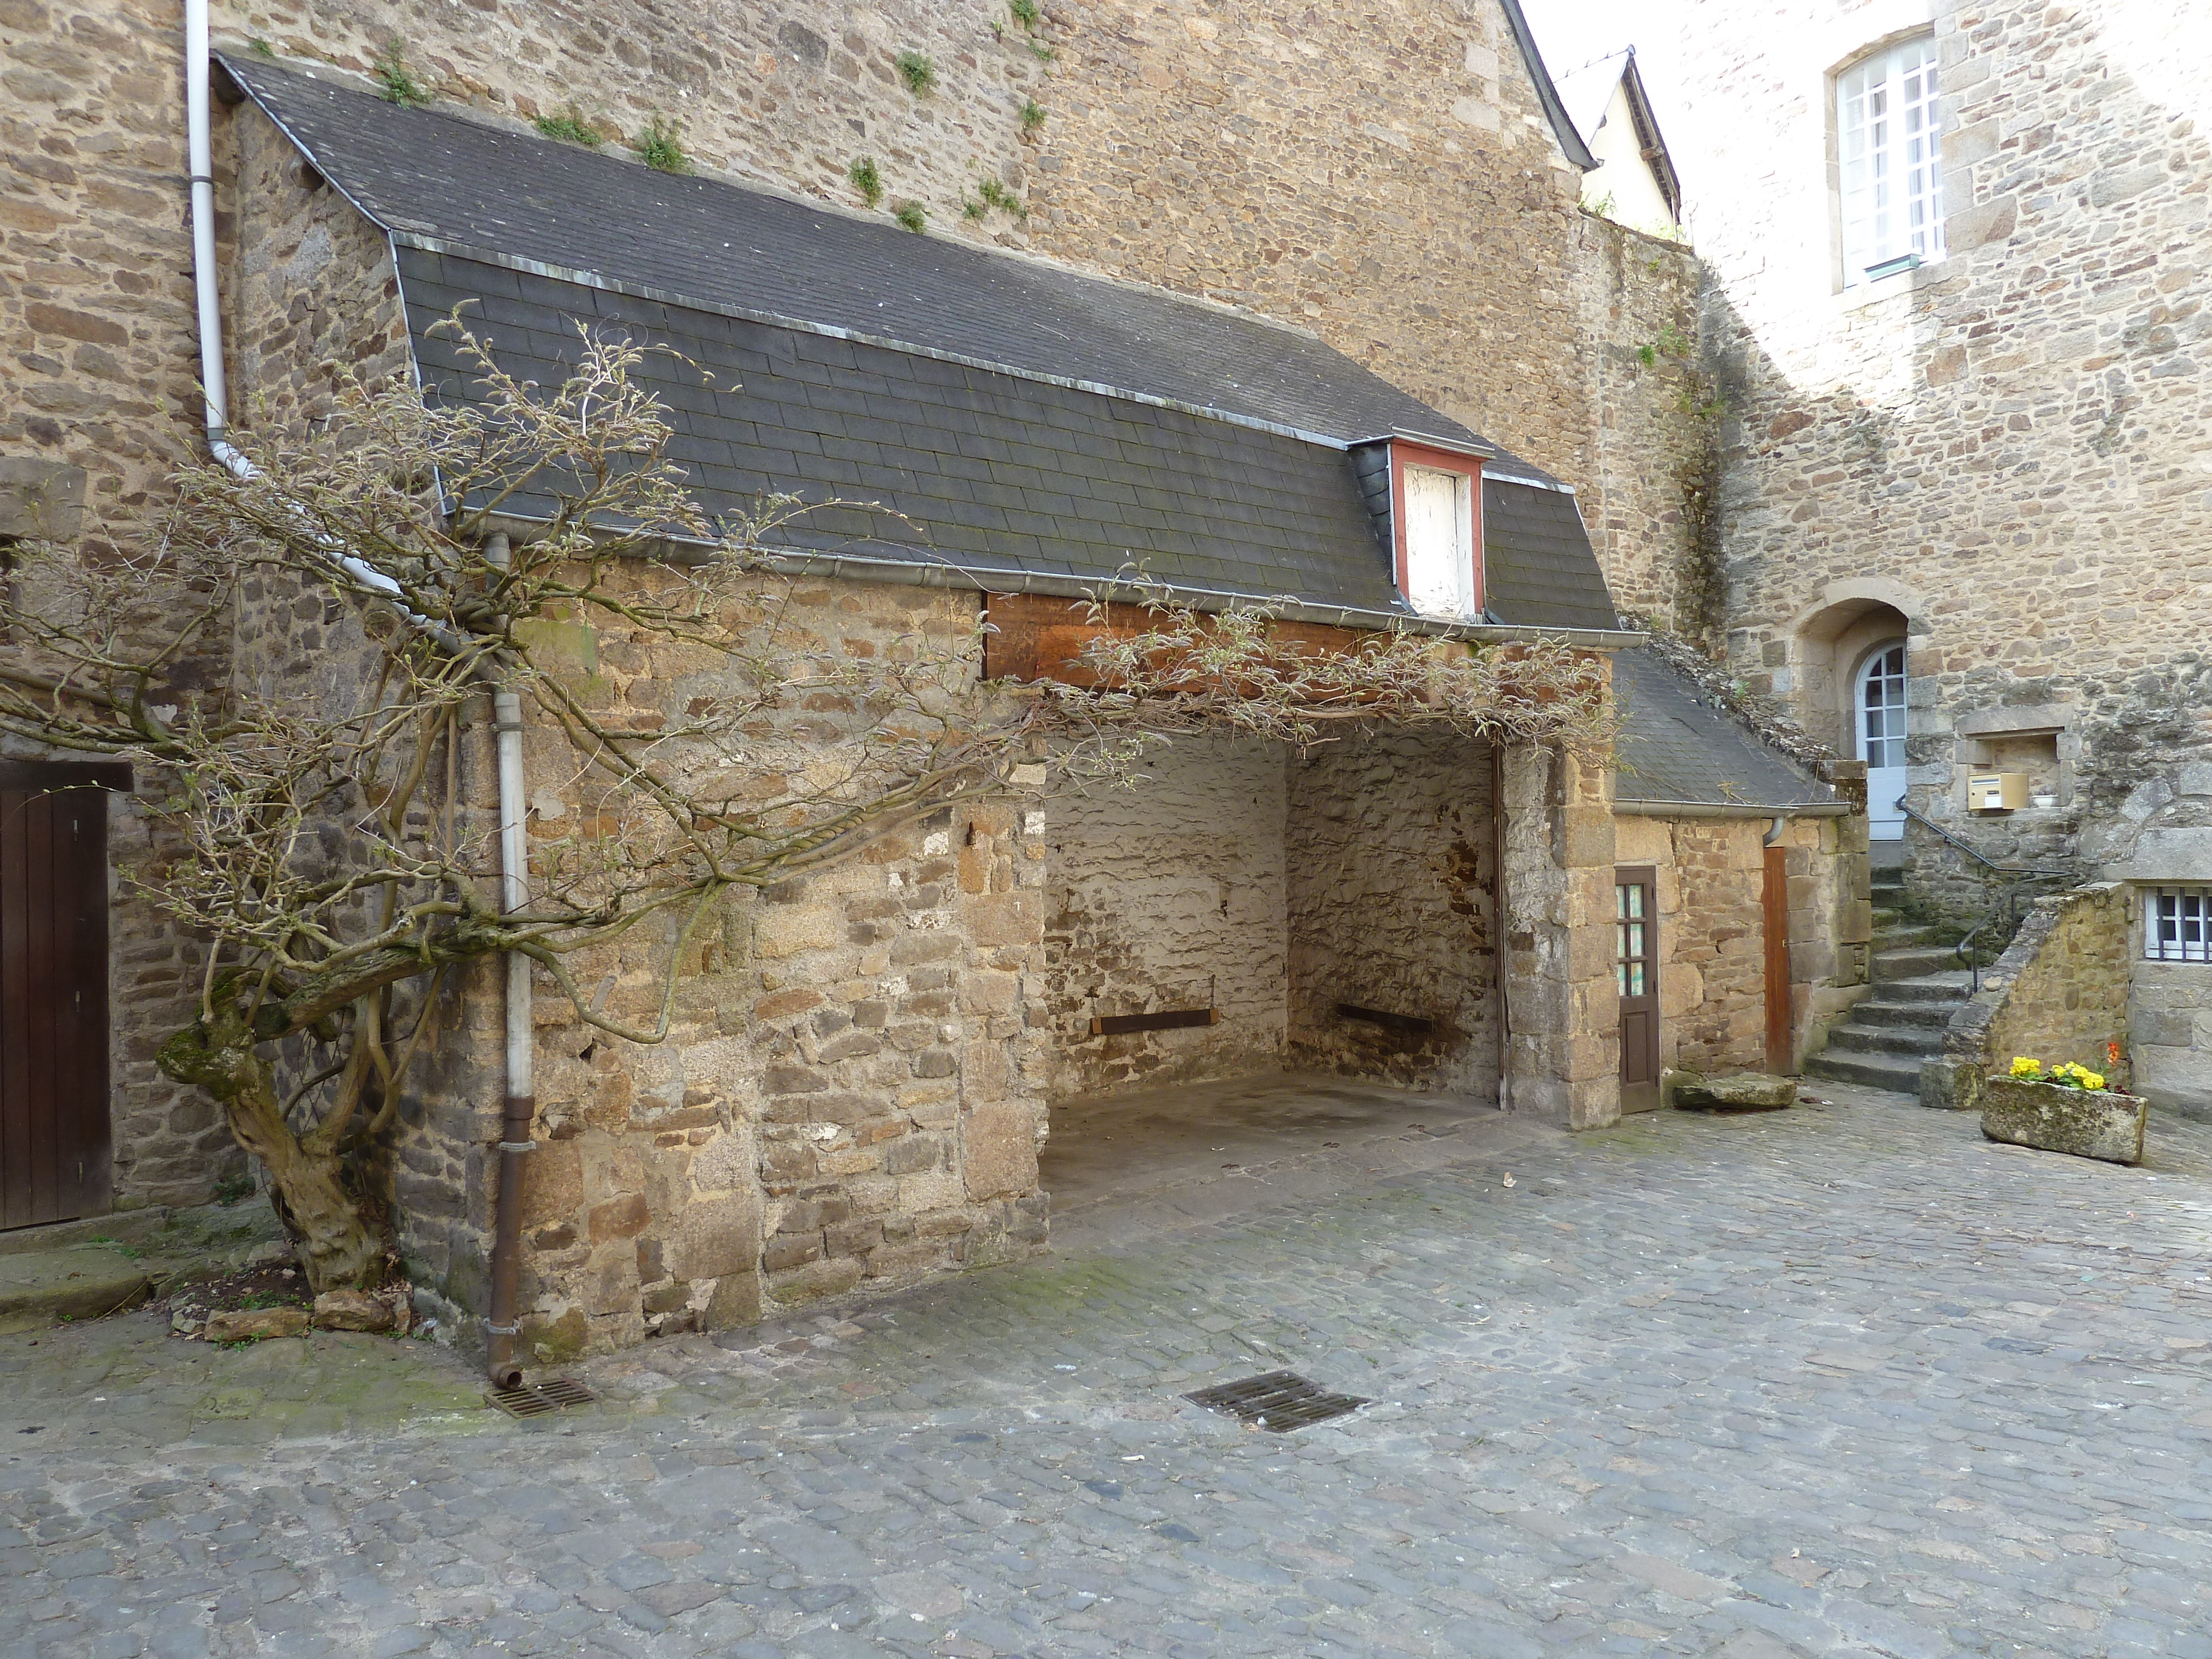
(2177,924)
(1890,163)
(1439,542)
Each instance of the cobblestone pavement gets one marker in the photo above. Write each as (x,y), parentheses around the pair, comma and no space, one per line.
(1841,1381)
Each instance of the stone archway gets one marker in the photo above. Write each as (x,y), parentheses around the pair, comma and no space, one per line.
(1830,643)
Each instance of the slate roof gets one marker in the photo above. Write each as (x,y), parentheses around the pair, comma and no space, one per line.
(970,467)
(959,392)
(439,179)
(1675,746)
(1537,562)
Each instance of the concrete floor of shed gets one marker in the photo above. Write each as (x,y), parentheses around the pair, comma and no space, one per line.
(1205,1151)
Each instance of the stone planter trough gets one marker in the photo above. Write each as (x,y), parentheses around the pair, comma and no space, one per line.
(2087,1123)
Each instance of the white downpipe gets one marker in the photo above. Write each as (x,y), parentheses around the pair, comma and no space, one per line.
(199,149)
(199,154)
(507,705)
(513,858)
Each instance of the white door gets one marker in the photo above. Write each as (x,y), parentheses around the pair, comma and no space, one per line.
(1880,700)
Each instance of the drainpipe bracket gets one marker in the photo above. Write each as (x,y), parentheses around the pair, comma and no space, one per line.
(517,1145)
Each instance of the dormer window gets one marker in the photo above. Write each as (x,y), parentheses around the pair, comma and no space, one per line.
(1437,505)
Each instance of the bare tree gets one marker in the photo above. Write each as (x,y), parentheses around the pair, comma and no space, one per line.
(312,771)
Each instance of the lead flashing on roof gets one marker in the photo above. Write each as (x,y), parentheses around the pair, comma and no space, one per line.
(1729,809)
(935,570)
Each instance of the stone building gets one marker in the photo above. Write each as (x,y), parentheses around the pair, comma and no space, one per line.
(1955,313)
(862,1076)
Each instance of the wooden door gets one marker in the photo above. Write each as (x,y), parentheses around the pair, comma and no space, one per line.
(1635,968)
(1774,908)
(53,990)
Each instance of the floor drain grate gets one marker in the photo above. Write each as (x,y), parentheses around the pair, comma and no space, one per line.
(1277,1402)
(537,1398)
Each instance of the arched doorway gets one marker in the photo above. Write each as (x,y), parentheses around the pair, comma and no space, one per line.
(1878,706)
(1849,646)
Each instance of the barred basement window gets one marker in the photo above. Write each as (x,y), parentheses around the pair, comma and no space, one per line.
(2177,924)
(1889,162)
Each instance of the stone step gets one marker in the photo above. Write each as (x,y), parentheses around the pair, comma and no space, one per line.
(1897,1074)
(1900,1041)
(1952,985)
(1906,936)
(79,1281)
(74,1270)
(124,1226)
(1878,1010)
(1916,962)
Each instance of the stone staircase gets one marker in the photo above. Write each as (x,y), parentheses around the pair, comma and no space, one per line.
(1917,986)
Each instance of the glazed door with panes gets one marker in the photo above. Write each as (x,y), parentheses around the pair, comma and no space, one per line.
(1636,968)
(1880,718)
(53,990)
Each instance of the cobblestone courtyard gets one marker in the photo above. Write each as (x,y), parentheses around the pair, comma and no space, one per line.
(1836,1381)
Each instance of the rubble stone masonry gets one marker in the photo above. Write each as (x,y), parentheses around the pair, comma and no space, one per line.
(861,1072)
(2000,451)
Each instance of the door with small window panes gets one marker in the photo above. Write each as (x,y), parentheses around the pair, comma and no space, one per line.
(1636,969)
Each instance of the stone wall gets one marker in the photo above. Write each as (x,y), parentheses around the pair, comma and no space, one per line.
(2058,993)
(95,308)
(1393,907)
(2001,445)
(851,1088)
(1563,1008)
(1712,932)
(2170,1033)
(1648,495)
(1170,895)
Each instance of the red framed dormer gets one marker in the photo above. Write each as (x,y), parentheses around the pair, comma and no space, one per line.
(1436,530)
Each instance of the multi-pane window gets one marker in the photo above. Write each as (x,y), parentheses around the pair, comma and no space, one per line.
(1440,542)
(1881,709)
(1632,961)
(2177,924)
(1887,146)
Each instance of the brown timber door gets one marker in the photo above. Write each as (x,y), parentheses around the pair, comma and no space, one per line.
(53,990)
(1636,966)
(1774,906)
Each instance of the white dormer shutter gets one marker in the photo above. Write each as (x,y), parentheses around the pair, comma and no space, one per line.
(1439,542)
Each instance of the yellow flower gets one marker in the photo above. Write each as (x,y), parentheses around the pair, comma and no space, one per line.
(2023,1066)
(2091,1079)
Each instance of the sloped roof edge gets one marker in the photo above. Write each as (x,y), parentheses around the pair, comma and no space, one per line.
(1571,141)
(1656,155)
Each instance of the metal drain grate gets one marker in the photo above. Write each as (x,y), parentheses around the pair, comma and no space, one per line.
(1277,1402)
(539,1399)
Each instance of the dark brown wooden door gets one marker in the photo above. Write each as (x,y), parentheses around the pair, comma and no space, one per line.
(1774,907)
(53,991)
(1635,968)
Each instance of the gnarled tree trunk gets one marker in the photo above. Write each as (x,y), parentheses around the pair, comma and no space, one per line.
(338,1250)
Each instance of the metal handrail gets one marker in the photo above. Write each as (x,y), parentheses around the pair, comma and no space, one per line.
(1969,956)
(1972,851)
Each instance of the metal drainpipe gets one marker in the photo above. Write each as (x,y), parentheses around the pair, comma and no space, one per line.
(521,1109)
(502,1326)
(1499,930)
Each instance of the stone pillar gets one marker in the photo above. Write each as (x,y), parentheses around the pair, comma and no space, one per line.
(1854,921)
(1563,1059)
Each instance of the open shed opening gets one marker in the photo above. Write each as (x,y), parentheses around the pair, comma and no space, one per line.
(1271,951)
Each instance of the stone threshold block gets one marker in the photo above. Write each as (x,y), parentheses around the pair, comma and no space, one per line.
(2085,1123)
(1747,1091)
